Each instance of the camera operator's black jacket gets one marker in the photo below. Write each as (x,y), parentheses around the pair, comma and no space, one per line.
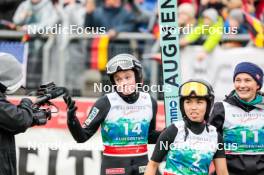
(238,164)
(13,120)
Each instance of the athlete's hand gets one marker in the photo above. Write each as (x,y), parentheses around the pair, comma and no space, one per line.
(71,107)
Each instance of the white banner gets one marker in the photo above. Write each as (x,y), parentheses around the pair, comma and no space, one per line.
(43,151)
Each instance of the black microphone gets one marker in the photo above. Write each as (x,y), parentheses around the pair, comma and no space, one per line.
(56,92)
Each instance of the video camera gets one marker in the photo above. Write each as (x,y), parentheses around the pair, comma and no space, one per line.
(45,93)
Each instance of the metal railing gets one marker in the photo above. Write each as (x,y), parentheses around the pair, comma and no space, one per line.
(132,38)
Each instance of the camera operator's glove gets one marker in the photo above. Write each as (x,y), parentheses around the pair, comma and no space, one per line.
(40,116)
(71,107)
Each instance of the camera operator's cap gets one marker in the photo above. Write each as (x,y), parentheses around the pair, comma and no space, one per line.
(252,69)
(11,76)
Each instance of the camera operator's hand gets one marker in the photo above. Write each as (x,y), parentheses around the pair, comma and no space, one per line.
(71,107)
(40,117)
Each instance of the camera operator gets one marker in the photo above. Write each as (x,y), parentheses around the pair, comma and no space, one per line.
(14,119)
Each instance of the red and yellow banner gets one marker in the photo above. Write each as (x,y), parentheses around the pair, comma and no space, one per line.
(256,30)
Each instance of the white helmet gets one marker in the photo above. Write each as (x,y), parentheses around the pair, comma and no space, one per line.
(124,62)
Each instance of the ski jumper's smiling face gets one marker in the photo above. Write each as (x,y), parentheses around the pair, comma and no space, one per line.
(246,87)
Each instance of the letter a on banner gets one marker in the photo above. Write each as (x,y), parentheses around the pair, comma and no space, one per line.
(169,42)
